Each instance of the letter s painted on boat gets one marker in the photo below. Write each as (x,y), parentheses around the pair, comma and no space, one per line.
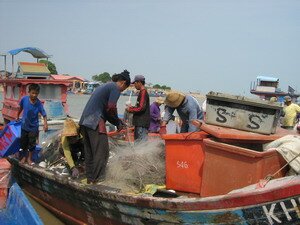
(252,122)
(221,118)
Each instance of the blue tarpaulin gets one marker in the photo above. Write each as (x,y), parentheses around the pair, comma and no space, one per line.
(18,209)
(35,52)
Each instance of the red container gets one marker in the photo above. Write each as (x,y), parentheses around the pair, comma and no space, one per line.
(228,167)
(184,161)
(10,139)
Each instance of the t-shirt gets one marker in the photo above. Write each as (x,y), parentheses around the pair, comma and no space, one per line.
(30,118)
(187,111)
(101,106)
(290,114)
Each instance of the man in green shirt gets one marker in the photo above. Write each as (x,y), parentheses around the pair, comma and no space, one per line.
(72,144)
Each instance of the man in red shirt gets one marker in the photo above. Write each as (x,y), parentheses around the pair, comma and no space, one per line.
(141,111)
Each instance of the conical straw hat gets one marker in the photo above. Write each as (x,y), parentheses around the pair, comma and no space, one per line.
(70,128)
(159,100)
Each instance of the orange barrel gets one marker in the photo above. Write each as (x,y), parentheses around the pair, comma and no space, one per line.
(184,161)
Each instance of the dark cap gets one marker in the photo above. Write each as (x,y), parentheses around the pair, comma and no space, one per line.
(138,78)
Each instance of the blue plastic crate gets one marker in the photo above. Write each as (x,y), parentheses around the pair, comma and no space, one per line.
(10,139)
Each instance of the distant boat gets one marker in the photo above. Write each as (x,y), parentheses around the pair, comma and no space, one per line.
(266,87)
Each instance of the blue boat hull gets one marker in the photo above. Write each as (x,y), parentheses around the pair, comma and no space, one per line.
(18,209)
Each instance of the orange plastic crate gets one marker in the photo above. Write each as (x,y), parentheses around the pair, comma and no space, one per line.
(228,167)
(184,161)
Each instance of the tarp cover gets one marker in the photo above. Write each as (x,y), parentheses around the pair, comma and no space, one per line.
(266,78)
(35,52)
(289,147)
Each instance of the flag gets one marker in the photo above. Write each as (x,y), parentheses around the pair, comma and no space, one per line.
(291,90)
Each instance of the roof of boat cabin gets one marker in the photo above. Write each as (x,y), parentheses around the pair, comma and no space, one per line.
(35,52)
(67,77)
(267,78)
(33,68)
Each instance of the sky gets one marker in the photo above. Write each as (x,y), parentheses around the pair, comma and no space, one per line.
(189,45)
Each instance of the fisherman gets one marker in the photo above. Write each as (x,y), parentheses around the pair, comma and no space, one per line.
(101,107)
(31,107)
(141,111)
(72,144)
(155,117)
(187,108)
(290,113)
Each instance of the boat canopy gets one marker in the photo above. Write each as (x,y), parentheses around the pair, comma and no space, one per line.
(35,52)
(265,78)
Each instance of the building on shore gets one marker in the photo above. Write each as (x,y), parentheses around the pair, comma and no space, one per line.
(77,81)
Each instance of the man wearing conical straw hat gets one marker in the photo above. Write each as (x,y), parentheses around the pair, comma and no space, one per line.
(72,144)
(187,108)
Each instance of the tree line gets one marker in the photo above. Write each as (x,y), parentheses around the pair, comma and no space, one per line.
(105,77)
(102,77)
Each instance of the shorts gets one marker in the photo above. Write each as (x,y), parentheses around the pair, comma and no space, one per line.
(28,140)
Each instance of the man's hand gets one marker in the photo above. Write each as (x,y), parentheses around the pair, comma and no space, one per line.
(45,127)
(74,172)
(122,125)
(163,130)
(197,123)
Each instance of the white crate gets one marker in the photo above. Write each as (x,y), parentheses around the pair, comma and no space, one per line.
(242,113)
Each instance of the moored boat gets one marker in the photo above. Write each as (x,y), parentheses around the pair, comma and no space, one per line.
(15,208)
(276,203)
(53,93)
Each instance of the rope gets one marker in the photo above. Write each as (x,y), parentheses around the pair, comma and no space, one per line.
(270,177)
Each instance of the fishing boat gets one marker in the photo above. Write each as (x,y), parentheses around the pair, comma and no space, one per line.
(232,197)
(15,208)
(218,183)
(53,93)
(275,203)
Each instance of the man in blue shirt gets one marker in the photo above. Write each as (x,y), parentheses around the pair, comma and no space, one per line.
(101,107)
(31,107)
(187,108)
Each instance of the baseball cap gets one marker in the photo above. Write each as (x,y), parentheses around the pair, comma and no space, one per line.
(138,78)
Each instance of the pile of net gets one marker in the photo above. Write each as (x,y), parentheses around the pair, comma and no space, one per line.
(131,167)
(51,147)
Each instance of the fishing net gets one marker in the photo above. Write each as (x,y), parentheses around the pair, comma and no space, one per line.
(131,167)
(51,146)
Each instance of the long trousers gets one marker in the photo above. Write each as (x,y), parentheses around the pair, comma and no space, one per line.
(96,150)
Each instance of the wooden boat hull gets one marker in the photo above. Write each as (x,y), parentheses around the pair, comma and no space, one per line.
(78,204)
